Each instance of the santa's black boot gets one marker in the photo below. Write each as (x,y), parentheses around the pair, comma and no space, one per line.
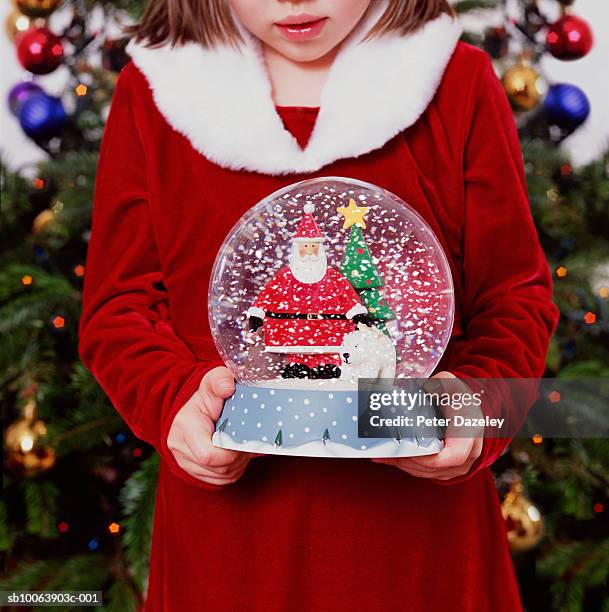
(326,370)
(296,370)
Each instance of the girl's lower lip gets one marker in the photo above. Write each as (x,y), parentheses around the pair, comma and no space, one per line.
(302,31)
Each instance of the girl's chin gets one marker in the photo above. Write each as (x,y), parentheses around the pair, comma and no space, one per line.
(303,52)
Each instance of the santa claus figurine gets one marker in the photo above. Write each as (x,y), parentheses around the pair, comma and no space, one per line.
(308,307)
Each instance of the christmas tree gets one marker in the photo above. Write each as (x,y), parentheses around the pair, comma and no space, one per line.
(358,267)
(558,483)
(76,509)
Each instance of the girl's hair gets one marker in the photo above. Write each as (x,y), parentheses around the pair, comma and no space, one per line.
(209,22)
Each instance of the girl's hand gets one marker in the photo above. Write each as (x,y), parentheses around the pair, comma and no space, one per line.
(458,454)
(189,438)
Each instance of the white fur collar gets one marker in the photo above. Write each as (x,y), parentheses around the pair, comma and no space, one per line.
(220,99)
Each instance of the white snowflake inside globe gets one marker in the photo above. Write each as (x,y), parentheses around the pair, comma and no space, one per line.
(321,284)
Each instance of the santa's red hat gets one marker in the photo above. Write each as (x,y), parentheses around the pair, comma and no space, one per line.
(308,231)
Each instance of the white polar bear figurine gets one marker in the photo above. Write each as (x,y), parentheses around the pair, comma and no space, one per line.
(367,353)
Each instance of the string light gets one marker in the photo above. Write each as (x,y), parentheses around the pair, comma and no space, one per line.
(114,528)
(63,527)
(22,23)
(137,452)
(27,443)
(554,397)
(590,318)
(604,292)
(537,439)
(38,183)
(552,195)
(598,508)
(561,271)
(58,322)
(93,544)
(26,280)
(79,270)
(81,90)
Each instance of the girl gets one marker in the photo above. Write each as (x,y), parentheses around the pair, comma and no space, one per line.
(223,103)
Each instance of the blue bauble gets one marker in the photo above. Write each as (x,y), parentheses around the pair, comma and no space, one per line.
(42,117)
(21,92)
(566,106)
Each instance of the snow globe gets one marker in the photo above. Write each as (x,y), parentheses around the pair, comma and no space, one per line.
(323,284)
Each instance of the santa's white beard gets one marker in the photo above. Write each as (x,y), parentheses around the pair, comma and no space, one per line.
(308,268)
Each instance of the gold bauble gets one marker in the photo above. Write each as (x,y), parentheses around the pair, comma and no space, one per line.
(36,8)
(43,221)
(523,520)
(524,86)
(30,464)
(25,455)
(16,23)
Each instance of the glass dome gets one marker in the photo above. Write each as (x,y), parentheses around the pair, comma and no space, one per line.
(318,272)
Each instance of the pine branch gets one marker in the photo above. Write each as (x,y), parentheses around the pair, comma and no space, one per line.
(28,576)
(67,439)
(41,507)
(137,500)
(121,598)
(576,567)
(87,572)
(7,535)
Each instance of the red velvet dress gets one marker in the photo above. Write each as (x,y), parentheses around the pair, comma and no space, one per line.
(301,533)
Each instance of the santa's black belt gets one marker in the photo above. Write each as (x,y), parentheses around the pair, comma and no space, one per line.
(309,316)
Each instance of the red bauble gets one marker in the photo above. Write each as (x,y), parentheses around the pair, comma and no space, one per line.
(570,38)
(39,50)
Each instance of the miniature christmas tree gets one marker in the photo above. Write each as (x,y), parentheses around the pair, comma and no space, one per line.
(359,268)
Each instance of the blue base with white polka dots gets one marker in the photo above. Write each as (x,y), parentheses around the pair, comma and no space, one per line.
(305,422)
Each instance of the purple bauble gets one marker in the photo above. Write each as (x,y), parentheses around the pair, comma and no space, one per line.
(20,93)
(42,117)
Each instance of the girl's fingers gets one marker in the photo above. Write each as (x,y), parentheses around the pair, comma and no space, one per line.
(456,452)
(206,475)
(406,464)
(434,470)
(437,474)
(211,404)
(409,468)
(189,438)
(184,458)
(205,454)
(219,382)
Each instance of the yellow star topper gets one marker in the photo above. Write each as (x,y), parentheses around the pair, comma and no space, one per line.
(353,214)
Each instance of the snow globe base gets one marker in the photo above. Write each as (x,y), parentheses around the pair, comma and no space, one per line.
(283,417)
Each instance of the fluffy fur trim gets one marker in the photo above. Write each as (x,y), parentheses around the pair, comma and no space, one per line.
(357,309)
(254,311)
(220,99)
(305,350)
